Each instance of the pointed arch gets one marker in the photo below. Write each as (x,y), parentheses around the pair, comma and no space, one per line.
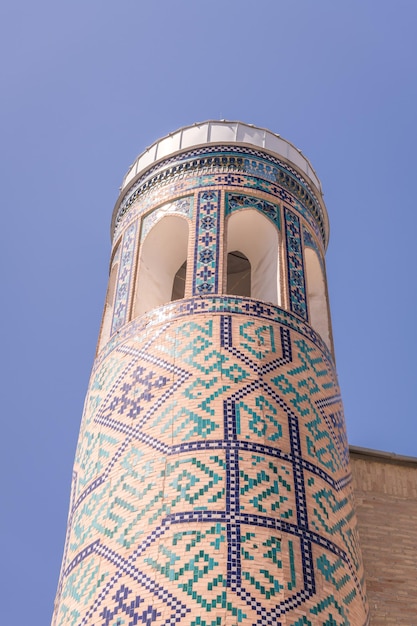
(318,309)
(252,234)
(162,264)
(109,303)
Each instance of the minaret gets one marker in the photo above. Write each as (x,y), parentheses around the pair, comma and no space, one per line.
(211,483)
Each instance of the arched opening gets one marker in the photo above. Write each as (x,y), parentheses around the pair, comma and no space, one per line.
(254,237)
(178,288)
(316,296)
(162,264)
(109,304)
(238,274)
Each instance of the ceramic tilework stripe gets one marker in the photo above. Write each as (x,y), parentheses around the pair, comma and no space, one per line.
(235,201)
(238,159)
(295,265)
(216,177)
(124,278)
(214,304)
(183,206)
(206,253)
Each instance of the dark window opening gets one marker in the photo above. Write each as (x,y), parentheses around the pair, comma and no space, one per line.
(178,287)
(238,274)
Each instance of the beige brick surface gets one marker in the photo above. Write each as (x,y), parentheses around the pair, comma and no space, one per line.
(386,507)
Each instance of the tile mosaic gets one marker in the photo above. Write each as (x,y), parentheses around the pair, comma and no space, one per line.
(246,496)
(211,482)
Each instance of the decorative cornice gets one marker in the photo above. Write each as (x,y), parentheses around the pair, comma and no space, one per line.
(219,158)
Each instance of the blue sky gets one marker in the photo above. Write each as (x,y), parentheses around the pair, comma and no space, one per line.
(86,86)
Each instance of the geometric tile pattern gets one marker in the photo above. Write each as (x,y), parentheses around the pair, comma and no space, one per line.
(123,279)
(211,172)
(277,177)
(236,201)
(213,304)
(184,206)
(309,241)
(295,264)
(206,254)
(212,483)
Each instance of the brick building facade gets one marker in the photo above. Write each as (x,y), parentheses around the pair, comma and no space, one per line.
(385,489)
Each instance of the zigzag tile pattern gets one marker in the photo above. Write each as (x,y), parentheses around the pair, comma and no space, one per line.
(212,481)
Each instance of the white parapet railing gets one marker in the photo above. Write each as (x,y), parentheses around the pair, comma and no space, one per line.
(220,132)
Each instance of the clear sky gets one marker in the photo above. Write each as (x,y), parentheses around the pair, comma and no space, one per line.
(86,86)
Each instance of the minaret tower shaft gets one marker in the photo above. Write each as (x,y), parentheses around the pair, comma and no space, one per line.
(212,484)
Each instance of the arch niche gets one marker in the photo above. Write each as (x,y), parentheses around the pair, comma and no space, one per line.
(252,246)
(318,309)
(109,304)
(162,264)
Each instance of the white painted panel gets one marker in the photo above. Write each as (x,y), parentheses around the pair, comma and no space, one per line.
(277,145)
(129,175)
(297,159)
(147,158)
(222,131)
(254,136)
(215,131)
(168,145)
(194,135)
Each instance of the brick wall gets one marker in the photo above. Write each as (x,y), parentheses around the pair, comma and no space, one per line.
(385,489)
